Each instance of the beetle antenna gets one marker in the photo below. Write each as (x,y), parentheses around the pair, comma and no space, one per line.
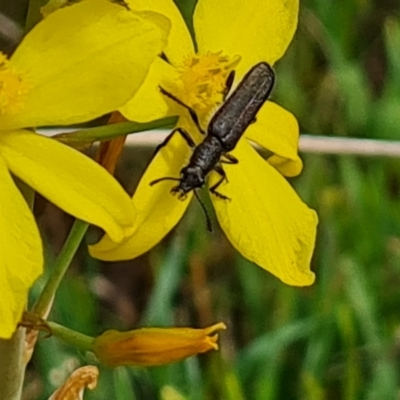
(203,207)
(167,178)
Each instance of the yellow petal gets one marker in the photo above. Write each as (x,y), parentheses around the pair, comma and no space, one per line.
(252,29)
(277,130)
(21,258)
(84,61)
(180,43)
(148,104)
(69,179)
(265,220)
(158,211)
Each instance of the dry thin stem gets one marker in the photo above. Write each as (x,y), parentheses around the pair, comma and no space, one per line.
(307,144)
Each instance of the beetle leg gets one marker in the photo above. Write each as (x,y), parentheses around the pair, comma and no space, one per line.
(183,133)
(213,188)
(230,159)
(192,113)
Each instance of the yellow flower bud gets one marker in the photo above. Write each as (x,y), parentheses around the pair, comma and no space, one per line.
(154,346)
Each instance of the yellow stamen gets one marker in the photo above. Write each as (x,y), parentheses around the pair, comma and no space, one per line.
(203,79)
(13,88)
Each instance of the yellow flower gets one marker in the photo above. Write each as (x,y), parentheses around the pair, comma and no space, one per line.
(265,220)
(154,346)
(79,63)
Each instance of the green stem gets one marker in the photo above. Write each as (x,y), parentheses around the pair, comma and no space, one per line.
(73,338)
(86,136)
(61,265)
(12,367)
(34,15)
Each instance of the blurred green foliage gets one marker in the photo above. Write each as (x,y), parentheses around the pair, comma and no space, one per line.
(338,339)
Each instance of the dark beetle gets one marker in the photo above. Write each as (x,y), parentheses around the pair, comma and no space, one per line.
(224,130)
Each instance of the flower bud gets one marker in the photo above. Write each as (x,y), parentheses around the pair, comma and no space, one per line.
(154,346)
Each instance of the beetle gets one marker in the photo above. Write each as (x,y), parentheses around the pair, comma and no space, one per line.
(224,130)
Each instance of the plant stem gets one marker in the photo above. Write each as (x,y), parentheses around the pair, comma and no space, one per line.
(73,338)
(34,15)
(12,367)
(61,265)
(86,136)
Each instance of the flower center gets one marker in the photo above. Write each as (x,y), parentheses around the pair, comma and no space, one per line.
(13,88)
(203,80)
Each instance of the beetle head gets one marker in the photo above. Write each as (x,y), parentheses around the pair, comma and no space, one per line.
(191,178)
